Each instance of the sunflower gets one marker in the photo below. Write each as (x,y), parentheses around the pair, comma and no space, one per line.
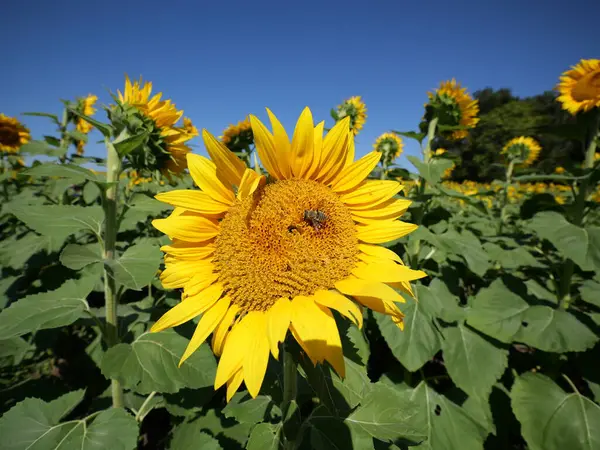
(579,87)
(189,127)
(439,152)
(356,109)
(87,108)
(390,146)
(453,106)
(258,258)
(559,170)
(448,172)
(524,149)
(166,149)
(13,134)
(238,137)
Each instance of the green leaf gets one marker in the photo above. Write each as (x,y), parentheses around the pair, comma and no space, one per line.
(411,135)
(388,414)
(496,311)
(590,292)
(440,301)
(91,192)
(16,252)
(54,117)
(33,423)
(70,171)
(76,257)
(468,246)
(473,363)
(472,200)
(59,221)
(228,432)
(431,171)
(246,409)
(52,309)
(264,436)
(141,207)
(328,432)
(551,419)
(188,436)
(419,341)
(593,253)
(554,330)
(41,148)
(131,143)
(136,268)
(104,128)
(150,363)
(359,343)
(14,348)
(511,258)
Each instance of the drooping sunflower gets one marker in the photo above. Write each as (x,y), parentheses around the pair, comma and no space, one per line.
(258,259)
(579,87)
(238,137)
(166,149)
(390,146)
(453,106)
(86,105)
(525,149)
(13,134)
(356,109)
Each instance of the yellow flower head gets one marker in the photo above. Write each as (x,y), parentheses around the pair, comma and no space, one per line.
(559,170)
(524,149)
(166,147)
(258,258)
(13,134)
(87,107)
(390,145)
(189,127)
(356,109)
(453,106)
(440,152)
(238,137)
(579,87)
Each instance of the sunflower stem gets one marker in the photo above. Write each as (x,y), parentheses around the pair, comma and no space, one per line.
(431,129)
(507,183)
(290,386)
(64,139)
(113,170)
(384,171)
(564,295)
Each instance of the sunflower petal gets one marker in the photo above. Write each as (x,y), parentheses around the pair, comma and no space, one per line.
(378,233)
(371,193)
(250,182)
(204,173)
(235,347)
(376,296)
(282,145)
(334,300)
(379,252)
(265,146)
(388,210)
(335,150)
(233,384)
(257,356)
(278,322)
(176,276)
(196,201)
(222,329)
(317,151)
(208,322)
(198,283)
(189,308)
(303,144)
(230,168)
(386,272)
(188,250)
(187,228)
(354,174)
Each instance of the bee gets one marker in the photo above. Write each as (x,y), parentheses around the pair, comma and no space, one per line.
(316,218)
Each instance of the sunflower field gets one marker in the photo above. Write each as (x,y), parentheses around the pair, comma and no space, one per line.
(268,297)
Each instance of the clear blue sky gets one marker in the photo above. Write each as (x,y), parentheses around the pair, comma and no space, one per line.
(222,60)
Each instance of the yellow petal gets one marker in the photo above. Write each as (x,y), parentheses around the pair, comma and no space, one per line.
(380,232)
(257,354)
(198,283)
(354,174)
(278,322)
(177,275)
(302,145)
(196,201)
(250,182)
(188,228)
(265,146)
(234,350)
(388,210)
(282,146)
(376,296)
(335,150)
(350,153)
(380,252)
(208,322)
(230,168)
(317,152)
(386,272)
(222,329)
(189,308)
(204,173)
(233,384)
(335,300)
(188,250)
(371,193)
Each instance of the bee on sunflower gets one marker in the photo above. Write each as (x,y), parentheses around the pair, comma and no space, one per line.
(523,150)
(453,107)
(13,134)
(355,109)
(260,258)
(579,87)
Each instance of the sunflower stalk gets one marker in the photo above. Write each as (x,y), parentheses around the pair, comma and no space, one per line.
(507,183)
(64,138)
(290,387)
(113,163)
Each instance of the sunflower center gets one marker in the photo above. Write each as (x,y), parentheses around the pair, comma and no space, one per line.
(9,135)
(587,88)
(291,238)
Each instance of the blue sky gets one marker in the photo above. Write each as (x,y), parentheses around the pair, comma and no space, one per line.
(222,60)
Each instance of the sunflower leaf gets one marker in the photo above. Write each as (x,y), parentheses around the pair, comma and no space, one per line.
(41,148)
(433,170)
(126,144)
(76,256)
(71,171)
(137,266)
(188,436)
(264,436)
(104,128)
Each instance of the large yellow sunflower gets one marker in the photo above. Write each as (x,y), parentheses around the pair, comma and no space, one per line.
(454,107)
(258,258)
(356,109)
(13,134)
(579,87)
(169,142)
(524,148)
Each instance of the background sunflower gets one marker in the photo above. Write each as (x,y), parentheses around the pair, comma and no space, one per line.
(579,87)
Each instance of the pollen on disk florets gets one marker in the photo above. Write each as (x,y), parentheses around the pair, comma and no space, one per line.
(267,250)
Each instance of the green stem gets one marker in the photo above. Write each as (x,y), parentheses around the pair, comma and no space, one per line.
(507,183)
(113,170)
(64,139)
(564,296)
(430,137)
(384,170)
(290,386)
(140,414)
